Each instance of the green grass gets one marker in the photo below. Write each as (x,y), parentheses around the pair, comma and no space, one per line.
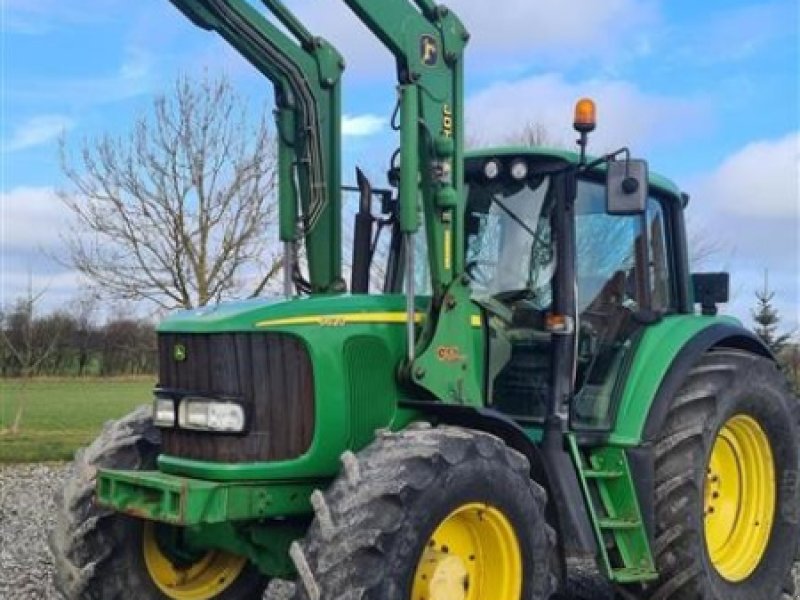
(61,415)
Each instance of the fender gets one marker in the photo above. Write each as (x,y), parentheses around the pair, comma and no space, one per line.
(662,359)
(566,508)
(716,336)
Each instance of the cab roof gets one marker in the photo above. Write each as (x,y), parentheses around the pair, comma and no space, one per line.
(659,182)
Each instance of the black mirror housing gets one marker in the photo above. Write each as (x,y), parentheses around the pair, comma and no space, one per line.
(627,187)
(711,289)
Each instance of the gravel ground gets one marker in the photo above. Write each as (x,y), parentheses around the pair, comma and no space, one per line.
(26,514)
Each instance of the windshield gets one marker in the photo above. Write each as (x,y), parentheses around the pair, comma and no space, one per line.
(510,246)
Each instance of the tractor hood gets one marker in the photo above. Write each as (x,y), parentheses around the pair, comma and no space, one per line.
(263,313)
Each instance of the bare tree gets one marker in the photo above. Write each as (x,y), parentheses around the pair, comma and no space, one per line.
(85,336)
(532,134)
(177,213)
(29,344)
(705,248)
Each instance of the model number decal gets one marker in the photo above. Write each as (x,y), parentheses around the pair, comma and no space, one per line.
(332,321)
(447,121)
(449,354)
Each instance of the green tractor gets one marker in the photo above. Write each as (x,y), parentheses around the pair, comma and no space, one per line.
(532,392)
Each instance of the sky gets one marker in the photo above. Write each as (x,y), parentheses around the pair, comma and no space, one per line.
(706,91)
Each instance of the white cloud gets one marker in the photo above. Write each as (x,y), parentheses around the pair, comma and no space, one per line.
(585,26)
(760,180)
(32,218)
(627,116)
(751,205)
(37,131)
(57,288)
(500,31)
(362,125)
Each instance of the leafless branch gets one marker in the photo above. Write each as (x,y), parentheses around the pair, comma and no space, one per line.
(179,210)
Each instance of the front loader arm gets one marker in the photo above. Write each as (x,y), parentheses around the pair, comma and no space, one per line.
(306,73)
(428,43)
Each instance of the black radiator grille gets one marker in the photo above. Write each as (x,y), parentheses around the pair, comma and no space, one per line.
(270,372)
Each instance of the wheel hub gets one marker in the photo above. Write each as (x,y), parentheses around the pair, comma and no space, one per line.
(203,579)
(473,554)
(739,498)
(443,576)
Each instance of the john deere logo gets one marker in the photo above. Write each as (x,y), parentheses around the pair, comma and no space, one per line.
(429,50)
(179,352)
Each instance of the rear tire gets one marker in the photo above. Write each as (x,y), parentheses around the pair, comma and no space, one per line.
(98,553)
(698,551)
(381,516)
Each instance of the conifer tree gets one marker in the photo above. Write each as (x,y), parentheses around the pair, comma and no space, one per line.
(767,319)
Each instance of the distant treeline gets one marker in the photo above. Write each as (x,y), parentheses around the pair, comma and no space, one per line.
(71,343)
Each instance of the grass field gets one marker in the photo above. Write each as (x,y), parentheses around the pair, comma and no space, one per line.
(61,415)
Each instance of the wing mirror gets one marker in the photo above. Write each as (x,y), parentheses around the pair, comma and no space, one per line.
(627,187)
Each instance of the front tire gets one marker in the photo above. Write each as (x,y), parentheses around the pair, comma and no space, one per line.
(727,504)
(426,514)
(103,555)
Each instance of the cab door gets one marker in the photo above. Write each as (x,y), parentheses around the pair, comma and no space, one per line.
(624,283)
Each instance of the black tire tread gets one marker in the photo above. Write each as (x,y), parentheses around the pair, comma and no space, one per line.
(682,440)
(81,541)
(341,555)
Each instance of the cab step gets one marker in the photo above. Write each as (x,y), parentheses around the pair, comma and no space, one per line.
(610,493)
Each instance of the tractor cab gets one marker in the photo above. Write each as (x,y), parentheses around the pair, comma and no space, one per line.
(627,270)
(624,272)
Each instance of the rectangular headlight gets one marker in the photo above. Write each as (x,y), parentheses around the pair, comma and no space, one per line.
(163,412)
(209,415)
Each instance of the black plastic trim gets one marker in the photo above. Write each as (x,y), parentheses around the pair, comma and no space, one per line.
(680,252)
(641,461)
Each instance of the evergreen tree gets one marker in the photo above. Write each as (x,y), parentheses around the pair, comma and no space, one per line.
(767,319)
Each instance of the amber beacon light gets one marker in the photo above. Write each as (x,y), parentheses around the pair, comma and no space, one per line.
(585,115)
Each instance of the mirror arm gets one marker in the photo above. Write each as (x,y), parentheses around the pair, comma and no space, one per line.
(606,158)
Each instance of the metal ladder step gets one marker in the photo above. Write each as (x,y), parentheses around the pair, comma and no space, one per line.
(623,540)
(613,524)
(595,474)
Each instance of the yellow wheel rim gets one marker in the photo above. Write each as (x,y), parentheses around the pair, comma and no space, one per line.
(204,579)
(473,554)
(739,498)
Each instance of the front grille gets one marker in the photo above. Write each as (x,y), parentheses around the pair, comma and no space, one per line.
(271,373)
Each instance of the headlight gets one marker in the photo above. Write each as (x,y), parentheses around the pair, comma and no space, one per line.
(491,169)
(519,169)
(163,412)
(208,415)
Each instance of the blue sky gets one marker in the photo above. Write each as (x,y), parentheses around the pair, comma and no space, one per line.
(707,91)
